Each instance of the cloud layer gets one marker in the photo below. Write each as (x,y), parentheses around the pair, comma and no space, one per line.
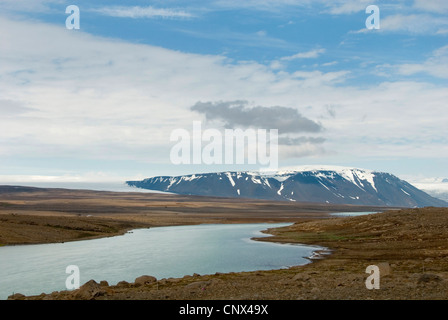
(74,95)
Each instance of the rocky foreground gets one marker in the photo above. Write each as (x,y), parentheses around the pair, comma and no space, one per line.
(409,246)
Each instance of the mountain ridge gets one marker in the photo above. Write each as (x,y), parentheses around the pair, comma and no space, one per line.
(324,184)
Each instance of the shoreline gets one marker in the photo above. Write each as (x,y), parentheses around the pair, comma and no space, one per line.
(33,215)
(409,244)
(314,254)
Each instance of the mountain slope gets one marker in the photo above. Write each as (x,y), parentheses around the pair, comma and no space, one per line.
(337,185)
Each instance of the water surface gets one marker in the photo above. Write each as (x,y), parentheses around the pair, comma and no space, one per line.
(352,214)
(162,252)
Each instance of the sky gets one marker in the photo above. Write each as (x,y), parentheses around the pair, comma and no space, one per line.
(99,103)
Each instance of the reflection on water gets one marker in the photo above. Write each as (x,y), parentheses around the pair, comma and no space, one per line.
(161,252)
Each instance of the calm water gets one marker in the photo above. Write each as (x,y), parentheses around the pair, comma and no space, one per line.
(161,252)
(352,214)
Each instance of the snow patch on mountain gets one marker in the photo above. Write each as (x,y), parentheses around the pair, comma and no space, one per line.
(351,174)
(229,176)
(279,192)
(328,184)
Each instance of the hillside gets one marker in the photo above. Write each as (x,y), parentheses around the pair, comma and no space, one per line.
(338,185)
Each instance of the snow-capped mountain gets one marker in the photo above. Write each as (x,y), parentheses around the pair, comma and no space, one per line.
(335,185)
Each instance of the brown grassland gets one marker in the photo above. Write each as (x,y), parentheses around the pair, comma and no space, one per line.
(409,245)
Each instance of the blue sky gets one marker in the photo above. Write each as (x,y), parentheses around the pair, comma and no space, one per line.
(99,103)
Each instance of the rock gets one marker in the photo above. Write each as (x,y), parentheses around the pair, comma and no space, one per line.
(196,275)
(104,283)
(198,285)
(385,268)
(123,284)
(428,277)
(88,291)
(301,277)
(162,282)
(145,280)
(16,296)
(297,277)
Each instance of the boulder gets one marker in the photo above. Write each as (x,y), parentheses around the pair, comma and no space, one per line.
(88,291)
(301,276)
(145,280)
(198,285)
(104,283)
(16,296)
(123,284)
(385,268)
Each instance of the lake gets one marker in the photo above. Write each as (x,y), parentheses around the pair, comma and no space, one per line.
(352,214)
(162,252)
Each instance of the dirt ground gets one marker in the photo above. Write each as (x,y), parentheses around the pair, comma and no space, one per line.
(409,246)
(33,215)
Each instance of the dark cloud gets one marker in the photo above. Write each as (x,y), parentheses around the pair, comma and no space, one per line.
(238,114)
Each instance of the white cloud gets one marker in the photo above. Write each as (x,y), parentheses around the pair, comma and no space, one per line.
(260,4)
(328,64)
(87,177)
(28,5)
(442,31)
(318,78)
(312,54)
(348,6)
(335,7)
(96,98)
(136,12)
(417,23)
(413,23)
(436,65)
(300,151)
(437,6)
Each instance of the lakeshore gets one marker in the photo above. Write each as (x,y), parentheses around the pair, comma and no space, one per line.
(31,215)
(409,245)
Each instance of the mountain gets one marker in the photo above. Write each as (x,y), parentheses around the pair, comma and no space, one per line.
(335,185)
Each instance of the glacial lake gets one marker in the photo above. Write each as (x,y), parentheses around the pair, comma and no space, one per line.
(162,252)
